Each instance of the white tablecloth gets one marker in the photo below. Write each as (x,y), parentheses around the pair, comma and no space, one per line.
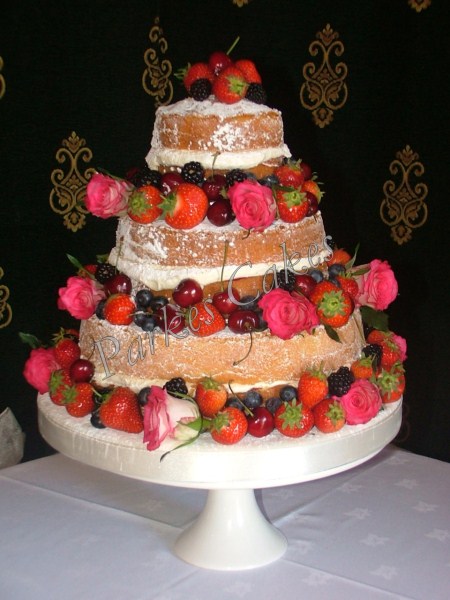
(381,530)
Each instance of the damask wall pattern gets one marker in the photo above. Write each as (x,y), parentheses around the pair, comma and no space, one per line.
(362,93)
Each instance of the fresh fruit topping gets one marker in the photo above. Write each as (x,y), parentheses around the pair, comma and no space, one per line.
(176,387)
(118,284)
(187,293)
(145,176)
(204,319)
(390,350)
(288,393)
(214,186)
(292,205)
(273,404)
(293,419)
(228,426)
(194,72)
(286,279)
(339,381)
(363,368)
(339,256)
(310,185)
(185,207)
(348,284)
(145,320)
(66,349)
(170,181)
(312,387)
(169,319)
(252,399)
(81,370)
(329,416)
(119,309)
(210,396)
(143,298)
(260,422)
(235,176)
(120,410)
(193,172)
(225,303)
(79,399)
(220,213)
(200,89)
(391,384)
(104,272)
(143,204)
(249,70)
(374,352)
(256,93)
(290,174)
(243,321)
(230,85)
(304,284)
(59,382)
(313,204)
(334,306)
(218,61)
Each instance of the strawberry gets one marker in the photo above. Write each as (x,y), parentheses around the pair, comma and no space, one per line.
(230,85)
(310,185)
(329,416)
(291,204)
(59,382)
(88,271)
(143,204)
(79,399)
(390,351)
(120,410)
(119,309)
(228,426)
(249,70)
(66,348)
(185,207)
(339,256)
(363,368)
(195,72)
(293,419)
(334,306)
(348,284)
(290,174)
(312,387)
(210,396)
(391,384)
(204,319)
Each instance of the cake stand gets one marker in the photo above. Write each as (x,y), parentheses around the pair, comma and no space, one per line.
(231,533)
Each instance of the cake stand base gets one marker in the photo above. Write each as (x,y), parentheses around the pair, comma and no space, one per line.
(231,534)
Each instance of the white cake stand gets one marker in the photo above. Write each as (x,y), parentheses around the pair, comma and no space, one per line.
(231,533)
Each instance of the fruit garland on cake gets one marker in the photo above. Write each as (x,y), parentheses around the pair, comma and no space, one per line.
(324,296)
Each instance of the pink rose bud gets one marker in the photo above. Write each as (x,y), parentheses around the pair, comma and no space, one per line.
(80,297)
(288,314)
(378,287)
(253,204)
(38,368)
(361,403)
(107,197)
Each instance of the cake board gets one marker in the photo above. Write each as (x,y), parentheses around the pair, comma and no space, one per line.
(231,532)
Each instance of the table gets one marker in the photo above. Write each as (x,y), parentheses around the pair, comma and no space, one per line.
(380,530)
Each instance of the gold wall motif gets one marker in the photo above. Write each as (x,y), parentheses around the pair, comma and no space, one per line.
(403,207)
(2,80)
(240,3)
(156,77)
(419,5)
(324,90)
(5,308)
(69,186)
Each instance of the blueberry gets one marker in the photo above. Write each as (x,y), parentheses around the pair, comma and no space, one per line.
(252,399)
(273,403)
(288,393)
(269,180)
(99,310)
(316,275)
(336,269)
(143,396)
(158,302)
(249,302)
(143,298)
(235,402)
(96,421)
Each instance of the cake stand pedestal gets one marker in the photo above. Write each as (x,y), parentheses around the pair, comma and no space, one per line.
(231,533)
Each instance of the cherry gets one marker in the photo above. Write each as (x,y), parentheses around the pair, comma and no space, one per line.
(219,213)
(313,204)
(170,181)
(168,318)
(187,293)
(118,284)
(305,284)
(81,370)
(224,304)
(243,321)
(213,187)
(260,422)
(306,170)
(218,61)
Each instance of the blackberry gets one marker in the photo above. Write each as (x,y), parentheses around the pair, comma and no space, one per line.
(201,89)
(235,176)
(146,176)
(374,351)
(176,387)
(256,93)
(286,280)
(193,172)
(104,271)
(340,381)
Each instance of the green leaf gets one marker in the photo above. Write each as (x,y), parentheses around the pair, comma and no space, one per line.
(375,318)
(31,340)
(332,333)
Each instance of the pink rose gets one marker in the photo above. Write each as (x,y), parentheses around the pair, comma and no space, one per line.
(287,314)
(176,420)
(80,297)
(107,197)
(253,204)
(401,344)
(378,287)
(361,403)
(38,368)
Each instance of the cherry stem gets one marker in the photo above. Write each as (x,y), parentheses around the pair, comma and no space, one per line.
(237,362)
(233,45)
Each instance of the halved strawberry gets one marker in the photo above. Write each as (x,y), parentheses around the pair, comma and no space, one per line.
(230,85)
(333,305)
(329,416)
(229,426)
(249,70)
(119,309)
(293,419)
(210,396)
(120,410)
(292,204)
(79,399)
(312,387)
(204,319)
(185,207)
(143,204)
